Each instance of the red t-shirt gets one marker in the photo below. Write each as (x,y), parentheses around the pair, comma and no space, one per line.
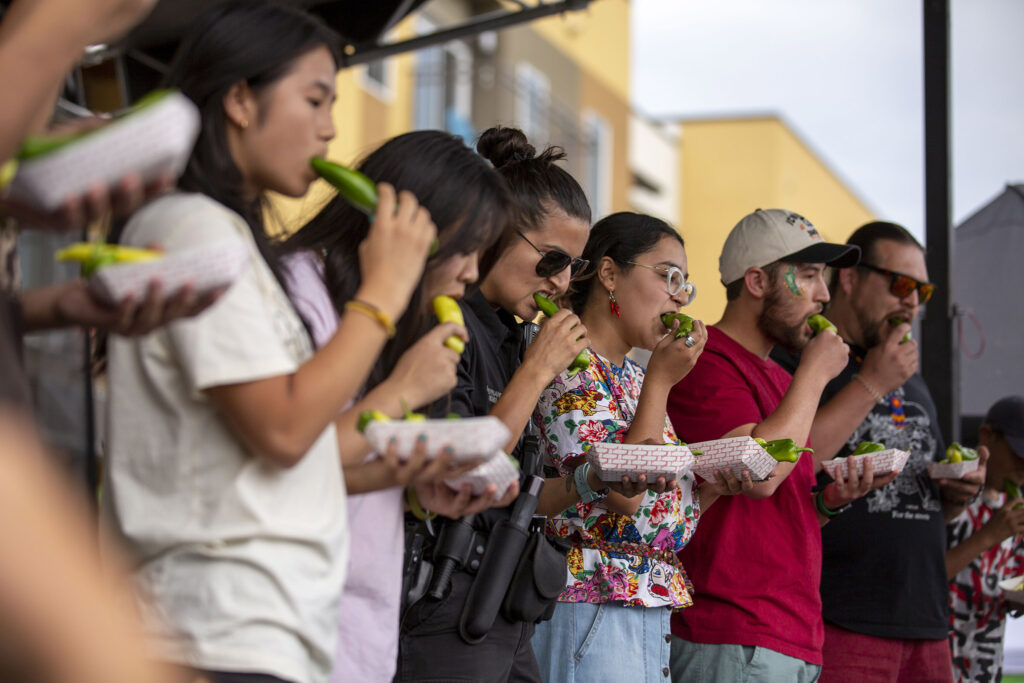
(755,564)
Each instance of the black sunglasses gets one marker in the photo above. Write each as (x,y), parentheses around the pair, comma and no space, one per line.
(903,285)
(555,261)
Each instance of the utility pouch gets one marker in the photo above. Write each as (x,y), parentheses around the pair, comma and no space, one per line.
(538,580)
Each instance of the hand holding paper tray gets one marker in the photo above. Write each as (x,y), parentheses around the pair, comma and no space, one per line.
(613,461)
(471,438)
(890,460)
(736,453)
(498,470)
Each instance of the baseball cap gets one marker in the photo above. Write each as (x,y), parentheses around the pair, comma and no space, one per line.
(766,236)
(1006,416)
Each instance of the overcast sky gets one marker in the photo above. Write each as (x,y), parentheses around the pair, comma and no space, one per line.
(847,74)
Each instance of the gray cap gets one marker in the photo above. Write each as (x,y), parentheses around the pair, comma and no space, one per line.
(766,236)
(1006,416)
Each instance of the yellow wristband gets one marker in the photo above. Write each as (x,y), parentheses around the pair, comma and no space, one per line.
(414,506)
(373,312)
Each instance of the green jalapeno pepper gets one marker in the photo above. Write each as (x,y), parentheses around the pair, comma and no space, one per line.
(368,416)
(685,323)
(783,450)
(868,447)
(895,321)
(958,453)
(820,323)
(355,188)
(447,311)
(549,308)
(1011,489)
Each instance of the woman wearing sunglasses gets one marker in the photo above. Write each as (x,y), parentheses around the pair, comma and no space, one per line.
(611,622)
(538,252)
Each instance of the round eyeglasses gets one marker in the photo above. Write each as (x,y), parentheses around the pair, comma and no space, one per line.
(675,281)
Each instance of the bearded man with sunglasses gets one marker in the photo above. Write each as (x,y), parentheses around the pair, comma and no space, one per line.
(884,587)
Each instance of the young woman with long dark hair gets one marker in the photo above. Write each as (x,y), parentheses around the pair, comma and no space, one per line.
(223,474)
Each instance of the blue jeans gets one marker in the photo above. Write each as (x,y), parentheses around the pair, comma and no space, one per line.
(696,662)
(586,643)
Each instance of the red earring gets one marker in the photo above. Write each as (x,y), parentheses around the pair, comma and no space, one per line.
(613,305)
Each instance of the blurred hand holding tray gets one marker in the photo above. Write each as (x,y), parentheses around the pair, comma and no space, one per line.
(1013,590)
(151,141)
(613,461)
(206,268)
(736,453)
(951,470)
(498,470)
(889,460)
(471,438)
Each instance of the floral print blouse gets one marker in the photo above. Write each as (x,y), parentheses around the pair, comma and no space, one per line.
(614,557)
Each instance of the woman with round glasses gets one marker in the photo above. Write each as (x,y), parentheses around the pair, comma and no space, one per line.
(538,252)
(610,622)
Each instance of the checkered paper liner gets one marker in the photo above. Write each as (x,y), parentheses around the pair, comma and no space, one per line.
(471,438)
(498,470)
(612,461)
(951,470)
(155,140)
(206,268)
(888,460)
(736,453)
(1012,591)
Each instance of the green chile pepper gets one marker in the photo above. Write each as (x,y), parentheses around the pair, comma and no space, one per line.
(868,447)
(447,311)
(783,450)
(368,416)
(549,308)
(685,323)
(958,453)
(1011,489)
(896,320)
(820,323)
(355,188)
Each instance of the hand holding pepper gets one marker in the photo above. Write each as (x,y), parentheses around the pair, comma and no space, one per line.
(671,360)
(888,365)
(961,491)
(561,342)
(823,358)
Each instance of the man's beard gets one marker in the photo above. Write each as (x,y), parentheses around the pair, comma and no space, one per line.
(778,330)
(871,330)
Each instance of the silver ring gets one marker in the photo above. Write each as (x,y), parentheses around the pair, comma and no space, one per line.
(690,341)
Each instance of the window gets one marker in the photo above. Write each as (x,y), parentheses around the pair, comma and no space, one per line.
(597,162)
(378,79)
(444,87)
(533,101)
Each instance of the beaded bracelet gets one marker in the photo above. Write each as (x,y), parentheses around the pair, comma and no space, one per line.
(875,393)
(373,312)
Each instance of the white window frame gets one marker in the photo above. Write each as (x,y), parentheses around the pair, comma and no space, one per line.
(599,137)
(533,102)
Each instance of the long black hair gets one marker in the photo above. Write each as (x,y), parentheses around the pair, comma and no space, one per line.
(538,184)
(622,237)
(254,42)
(467,200)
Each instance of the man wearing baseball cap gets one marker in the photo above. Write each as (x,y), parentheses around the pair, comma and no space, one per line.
(986,547)
(756,559)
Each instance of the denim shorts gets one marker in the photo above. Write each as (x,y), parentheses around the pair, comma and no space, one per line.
(586,643)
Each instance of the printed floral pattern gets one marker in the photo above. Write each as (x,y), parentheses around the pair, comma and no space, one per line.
(580,410)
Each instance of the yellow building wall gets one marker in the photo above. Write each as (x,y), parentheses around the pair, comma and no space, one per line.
(597,39)
(731,167)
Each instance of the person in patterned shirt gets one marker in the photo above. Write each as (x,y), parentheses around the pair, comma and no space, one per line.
(986,547)
(622,569)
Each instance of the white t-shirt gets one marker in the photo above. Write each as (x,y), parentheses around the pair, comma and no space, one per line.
(241,562)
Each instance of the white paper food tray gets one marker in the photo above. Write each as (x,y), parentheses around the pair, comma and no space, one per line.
(736,453)
(152,141)
(206,268)
(952,470)
(612,461)
(1011,590)
(471,438)
(498,470)
(889,460)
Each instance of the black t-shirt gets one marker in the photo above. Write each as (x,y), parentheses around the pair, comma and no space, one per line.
(883,570)
(492,355)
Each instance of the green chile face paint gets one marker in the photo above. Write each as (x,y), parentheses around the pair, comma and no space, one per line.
(789,277)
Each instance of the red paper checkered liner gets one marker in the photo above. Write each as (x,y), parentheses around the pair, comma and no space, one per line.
(152,141)
(206,268)
(735,453)
(612,461)
(471,438)
(951,470)
(888,460)
(498,470)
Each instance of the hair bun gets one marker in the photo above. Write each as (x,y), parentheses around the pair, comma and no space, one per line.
(501,146)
